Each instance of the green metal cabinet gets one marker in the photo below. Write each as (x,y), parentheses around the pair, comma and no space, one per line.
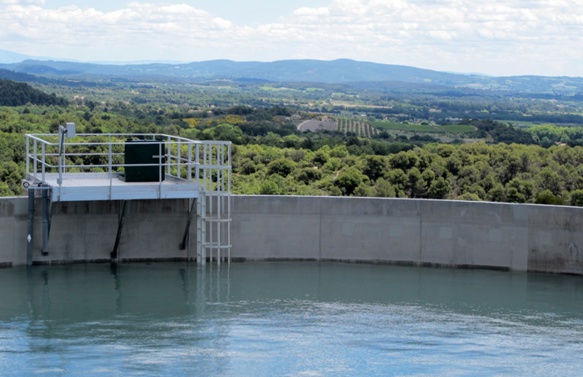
(142,152)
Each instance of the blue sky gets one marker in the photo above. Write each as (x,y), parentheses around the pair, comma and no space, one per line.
(510,37)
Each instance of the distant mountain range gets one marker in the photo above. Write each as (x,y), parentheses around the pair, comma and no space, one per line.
(341,71)
(7,57)
(13,57)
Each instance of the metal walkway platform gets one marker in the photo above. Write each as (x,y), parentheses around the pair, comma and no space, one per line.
(104,186)
(88,167)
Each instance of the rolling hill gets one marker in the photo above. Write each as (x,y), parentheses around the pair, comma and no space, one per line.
(341,71)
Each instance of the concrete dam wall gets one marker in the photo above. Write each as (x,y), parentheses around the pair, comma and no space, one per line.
(384,230)
(86,231)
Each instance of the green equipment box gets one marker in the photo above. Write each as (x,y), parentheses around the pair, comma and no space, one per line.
(144,152)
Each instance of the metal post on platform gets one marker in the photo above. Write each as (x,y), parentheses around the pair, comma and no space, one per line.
(69,131)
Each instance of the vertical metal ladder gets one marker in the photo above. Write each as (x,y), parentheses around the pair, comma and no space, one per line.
(213,207)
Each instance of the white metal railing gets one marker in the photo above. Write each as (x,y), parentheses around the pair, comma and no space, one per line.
(178,157)
(206,163)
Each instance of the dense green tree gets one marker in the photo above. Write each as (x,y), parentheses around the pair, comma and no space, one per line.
(269,187)
(348,180)
(397,178)
(281,166)
(497,193)
(512,195)
(549,179)
(375,167)
(415,184)
(321,156)
(383,188)
(469,196)
(577,198)
(309,175)
(439,189)
(5,190)
(224,131)
(547,197)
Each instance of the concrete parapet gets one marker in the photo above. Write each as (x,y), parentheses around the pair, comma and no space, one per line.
(86,231)
(377,230)
(555,239)
(518,237)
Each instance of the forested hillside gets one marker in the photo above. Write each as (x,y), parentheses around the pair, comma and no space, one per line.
(17,94)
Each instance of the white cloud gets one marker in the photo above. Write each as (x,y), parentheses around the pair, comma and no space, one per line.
(36,2)
(491,36)
(312,12)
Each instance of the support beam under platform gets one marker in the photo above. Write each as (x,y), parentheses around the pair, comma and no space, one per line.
(114,254)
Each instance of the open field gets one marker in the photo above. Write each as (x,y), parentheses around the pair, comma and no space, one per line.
(456,128)
(363,129)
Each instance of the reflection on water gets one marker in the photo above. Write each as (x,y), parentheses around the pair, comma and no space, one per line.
(264,319)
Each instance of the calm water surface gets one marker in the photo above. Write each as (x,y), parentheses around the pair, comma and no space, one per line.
(287,319)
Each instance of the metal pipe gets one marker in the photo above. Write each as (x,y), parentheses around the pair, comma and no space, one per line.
(113,254)
(45,200)
(186,235)
(30,236)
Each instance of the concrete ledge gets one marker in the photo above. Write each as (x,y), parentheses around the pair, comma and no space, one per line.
(459,234)
(377,262)
(437,233)
(86,231)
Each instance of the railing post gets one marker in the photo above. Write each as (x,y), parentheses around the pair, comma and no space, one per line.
(27,156)
(43,161)
(110,166)
(189,162)
(197,162)
(178,158)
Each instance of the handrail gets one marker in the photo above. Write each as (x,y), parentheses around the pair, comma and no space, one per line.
(183,159)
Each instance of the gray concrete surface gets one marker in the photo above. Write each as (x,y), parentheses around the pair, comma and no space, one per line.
(400,231)
(406,231)
(86,231)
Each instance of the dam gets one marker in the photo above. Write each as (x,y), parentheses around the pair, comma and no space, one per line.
(517,237)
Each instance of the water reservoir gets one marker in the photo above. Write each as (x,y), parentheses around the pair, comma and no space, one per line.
(287,319)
